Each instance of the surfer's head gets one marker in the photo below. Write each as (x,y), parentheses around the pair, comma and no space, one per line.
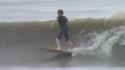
(60,12)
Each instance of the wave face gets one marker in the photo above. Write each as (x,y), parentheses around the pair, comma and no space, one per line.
(100,42)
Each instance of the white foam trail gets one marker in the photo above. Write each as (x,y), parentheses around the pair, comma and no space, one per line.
(89,51)
(102,44)
(117,32)
(122,42)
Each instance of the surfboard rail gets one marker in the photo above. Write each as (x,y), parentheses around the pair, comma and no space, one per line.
(54,50)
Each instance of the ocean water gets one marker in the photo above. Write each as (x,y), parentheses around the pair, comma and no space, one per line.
(71,68)
(96,28)
(42,10)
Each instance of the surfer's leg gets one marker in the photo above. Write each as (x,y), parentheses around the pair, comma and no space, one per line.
(66,34)
(58,43)
(70,43)
(58,38)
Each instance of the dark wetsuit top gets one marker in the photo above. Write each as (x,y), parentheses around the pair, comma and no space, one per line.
(63,21)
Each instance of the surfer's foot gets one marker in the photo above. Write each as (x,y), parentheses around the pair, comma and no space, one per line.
(58,48)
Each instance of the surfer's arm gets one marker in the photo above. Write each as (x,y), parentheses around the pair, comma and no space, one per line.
(54,21)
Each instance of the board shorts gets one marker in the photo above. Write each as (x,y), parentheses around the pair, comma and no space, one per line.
(63,32)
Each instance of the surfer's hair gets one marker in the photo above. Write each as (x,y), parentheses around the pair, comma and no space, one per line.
(60,11)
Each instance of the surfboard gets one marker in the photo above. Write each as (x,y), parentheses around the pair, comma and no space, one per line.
(54,50)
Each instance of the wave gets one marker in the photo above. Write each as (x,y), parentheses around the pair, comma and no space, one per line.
(80,30)
(94,37)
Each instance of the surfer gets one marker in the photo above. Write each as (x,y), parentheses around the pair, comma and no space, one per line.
(62,20)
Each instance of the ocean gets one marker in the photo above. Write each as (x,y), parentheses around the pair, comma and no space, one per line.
(96,28)
(43,10)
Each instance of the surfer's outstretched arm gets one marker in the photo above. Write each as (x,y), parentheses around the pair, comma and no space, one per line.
(54,22)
